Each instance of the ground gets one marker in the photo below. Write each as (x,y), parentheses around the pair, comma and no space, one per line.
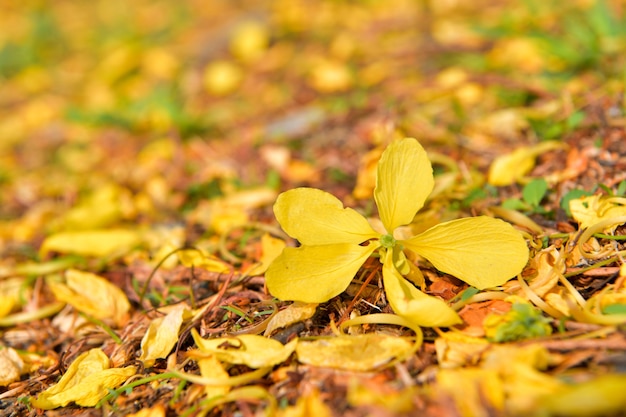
(143,146)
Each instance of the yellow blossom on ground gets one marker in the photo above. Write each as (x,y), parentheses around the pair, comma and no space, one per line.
(336,241)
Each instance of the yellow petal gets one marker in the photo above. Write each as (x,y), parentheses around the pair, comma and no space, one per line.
(366,393)
(86,381)
(310,405)
(510,168)
(475,391)
(271,247)
(161,336)
(211,367)
(354,353)
(249,41)
(482,251)
(102,208)
(593,209)
(412,304)
(403,182)
(222,77)
(297,312)
(197,258)
(315,217)
(603,395)
(366,177)
(455,349)
(11,366)
(246,349)
(154,411)
(315,274)
(98,243)
(92,295)
(550,266)
(11,291)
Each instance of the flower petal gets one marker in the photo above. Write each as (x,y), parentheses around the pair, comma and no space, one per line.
(87,380)
(482,251)
(403,182)
(315,274)
(412,304)
(246,349)
(315,217)
(360,353)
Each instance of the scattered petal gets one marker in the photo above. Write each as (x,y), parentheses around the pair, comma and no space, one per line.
(330,77)
(474,390)
(222,77)
(11,366)
(249,41)
(246,349)
(162,336)
(96,243)
(359,353)
(155,411)
(600,396)
(86,381)
(92,295)
(211,367)
(589,210)
(295,313)
(510,168)
(366,177)
(455,350)
(372,394)
(271,248)
(310,405)
(197,258)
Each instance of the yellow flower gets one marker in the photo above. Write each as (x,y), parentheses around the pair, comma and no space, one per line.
(336,241)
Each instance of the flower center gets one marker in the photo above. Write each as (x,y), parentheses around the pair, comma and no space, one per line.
(387,241)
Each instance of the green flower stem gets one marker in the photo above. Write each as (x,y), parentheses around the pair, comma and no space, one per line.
(387,241)
(104,326)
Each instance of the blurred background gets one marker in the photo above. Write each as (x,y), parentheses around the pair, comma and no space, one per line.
(155,105)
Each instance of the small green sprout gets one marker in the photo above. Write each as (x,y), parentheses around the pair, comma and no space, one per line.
(523,321)
(532,195)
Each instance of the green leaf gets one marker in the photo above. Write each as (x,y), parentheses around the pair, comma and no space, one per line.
(523,321)
(515,204)
(315,274)
(575,119)
(469,293)
(482,251)
(614,309)
(535,191)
